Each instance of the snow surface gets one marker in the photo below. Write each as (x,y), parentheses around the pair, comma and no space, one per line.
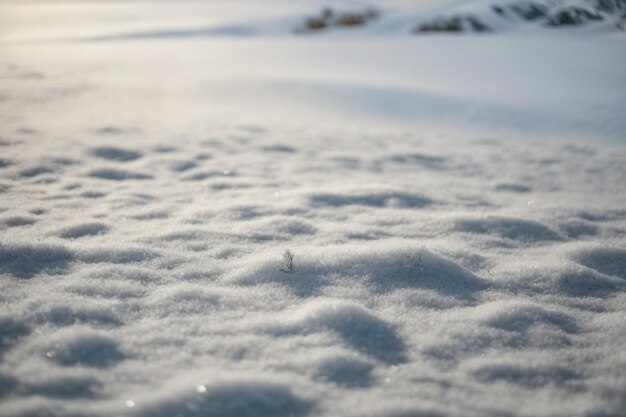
(455,206)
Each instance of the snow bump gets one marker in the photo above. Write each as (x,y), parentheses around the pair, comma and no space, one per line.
(24,260)
(82,230)
(371,199)
(227,398)
(357,327)
(510,228)
(84,348)
(116,154)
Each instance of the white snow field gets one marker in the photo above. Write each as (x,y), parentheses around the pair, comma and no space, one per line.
(455,205)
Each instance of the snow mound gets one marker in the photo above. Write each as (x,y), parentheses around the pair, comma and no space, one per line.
(515,324)
(116,154)
(533,377)
(226,398)
(113,174)
(184,300)
(116,254)
(16,221)
(372,199)
(11,331)
(117,276)
(83,347)
(68,313)
(36,171)
(560,277)
(83,230)
(100,288)
(345,371)
(353,324)
(509,228)
(27,260)
(606,260)
(63,387)
(383,266)
(575,228)
(521,316)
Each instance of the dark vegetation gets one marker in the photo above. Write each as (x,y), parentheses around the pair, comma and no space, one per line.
(455,23)
(328,18)
(572,16)
(532,12)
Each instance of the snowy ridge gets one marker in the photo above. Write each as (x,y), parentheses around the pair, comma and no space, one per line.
(281,18)
(526,16)
(478,16)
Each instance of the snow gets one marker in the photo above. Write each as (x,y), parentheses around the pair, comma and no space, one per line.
(454,204)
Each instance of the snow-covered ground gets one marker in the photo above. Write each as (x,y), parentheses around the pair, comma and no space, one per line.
(454,204)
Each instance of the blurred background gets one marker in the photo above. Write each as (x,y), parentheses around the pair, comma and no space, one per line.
(507,68)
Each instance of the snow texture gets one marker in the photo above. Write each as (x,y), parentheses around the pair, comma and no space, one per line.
(458,238)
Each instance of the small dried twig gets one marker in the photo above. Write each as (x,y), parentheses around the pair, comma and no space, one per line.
(415,260)
(287,265)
